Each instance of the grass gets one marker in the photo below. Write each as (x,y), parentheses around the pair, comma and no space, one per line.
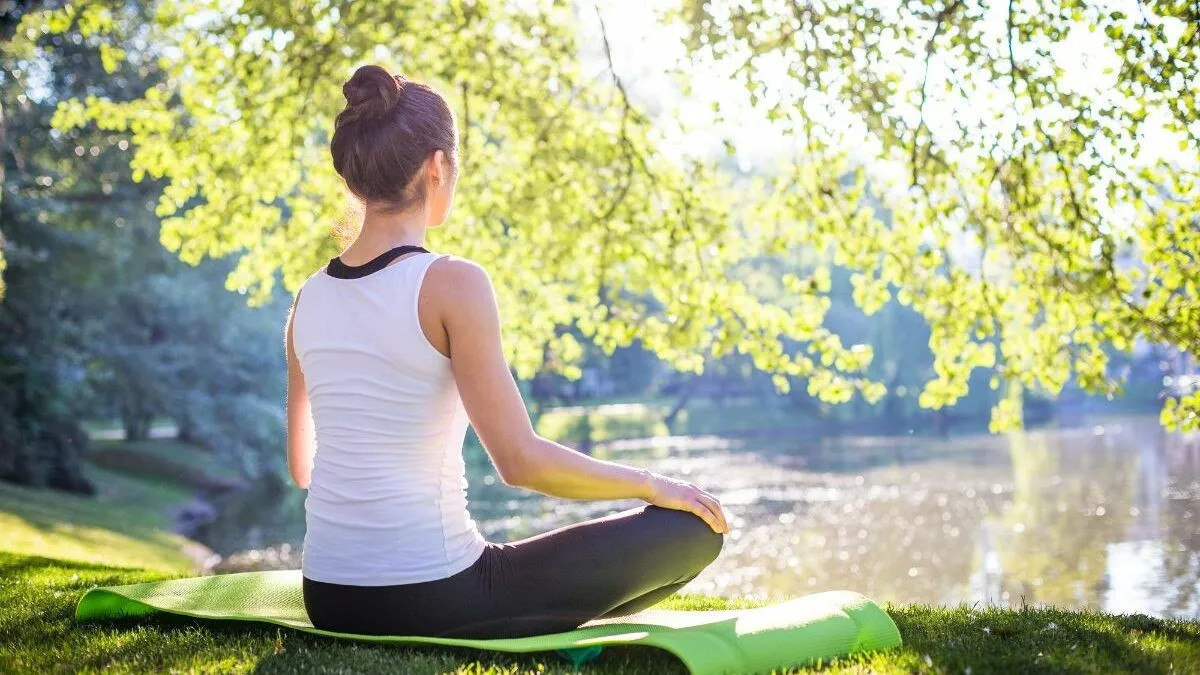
(56,546)
(38,634)
(163,460)
(125,524)
(128,522)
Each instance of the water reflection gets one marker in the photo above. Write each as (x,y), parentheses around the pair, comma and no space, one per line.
(1103,516)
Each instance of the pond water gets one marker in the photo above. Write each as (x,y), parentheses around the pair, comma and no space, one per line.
(1103,515)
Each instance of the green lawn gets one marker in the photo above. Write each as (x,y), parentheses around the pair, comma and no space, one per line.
(125,524)
(38,634)
(163,460)
(54,547)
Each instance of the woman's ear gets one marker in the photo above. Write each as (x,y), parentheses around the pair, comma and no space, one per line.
(437,167)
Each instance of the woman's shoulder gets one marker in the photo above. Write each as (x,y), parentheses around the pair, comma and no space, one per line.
(308,281)
(455,277)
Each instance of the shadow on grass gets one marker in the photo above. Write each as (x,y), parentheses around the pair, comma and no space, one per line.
(14,565)
(49,511)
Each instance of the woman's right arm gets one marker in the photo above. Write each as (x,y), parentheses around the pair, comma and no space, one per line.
(465,302)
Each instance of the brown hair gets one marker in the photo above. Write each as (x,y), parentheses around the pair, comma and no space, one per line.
(389,127)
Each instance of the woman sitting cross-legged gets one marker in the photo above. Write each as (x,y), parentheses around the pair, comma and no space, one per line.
(392,350)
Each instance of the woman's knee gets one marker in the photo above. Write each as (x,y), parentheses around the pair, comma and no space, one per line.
(691,538)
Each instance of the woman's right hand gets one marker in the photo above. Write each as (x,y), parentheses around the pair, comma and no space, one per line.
(672,493)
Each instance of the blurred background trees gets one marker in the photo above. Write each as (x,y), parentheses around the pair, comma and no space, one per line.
(99,320)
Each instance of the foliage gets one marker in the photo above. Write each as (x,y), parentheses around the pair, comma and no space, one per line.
(40,388)
(1049,161)
(98,318)
(49,250)
(564,198)
(1031,230)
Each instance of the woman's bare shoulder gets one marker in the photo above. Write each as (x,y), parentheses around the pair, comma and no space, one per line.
(456,278)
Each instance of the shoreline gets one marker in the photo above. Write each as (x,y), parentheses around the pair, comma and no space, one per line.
(190,517)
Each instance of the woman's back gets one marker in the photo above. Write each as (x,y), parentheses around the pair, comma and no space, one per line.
(387,499)
(386,388)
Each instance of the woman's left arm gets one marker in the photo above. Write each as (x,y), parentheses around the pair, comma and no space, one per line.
(301,432)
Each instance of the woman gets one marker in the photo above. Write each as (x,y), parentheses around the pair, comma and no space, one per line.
(391,350)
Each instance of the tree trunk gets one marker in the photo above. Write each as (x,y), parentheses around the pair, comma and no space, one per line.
(10,18)
(3,148)
(688,390)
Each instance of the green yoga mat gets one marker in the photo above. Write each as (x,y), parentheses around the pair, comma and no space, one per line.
(795,632)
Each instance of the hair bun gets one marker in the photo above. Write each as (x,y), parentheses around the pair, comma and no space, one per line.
(370,93)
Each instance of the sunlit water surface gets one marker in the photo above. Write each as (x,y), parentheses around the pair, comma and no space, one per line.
(1104,516)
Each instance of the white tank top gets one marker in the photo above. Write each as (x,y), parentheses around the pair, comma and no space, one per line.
(387,501)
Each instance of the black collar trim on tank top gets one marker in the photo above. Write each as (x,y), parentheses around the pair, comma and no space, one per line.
(341,270)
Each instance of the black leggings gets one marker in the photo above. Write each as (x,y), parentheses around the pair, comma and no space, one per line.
(555,581)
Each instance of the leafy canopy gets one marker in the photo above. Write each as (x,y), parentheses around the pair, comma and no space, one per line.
(1047,153)
(1030,230)
(562,196)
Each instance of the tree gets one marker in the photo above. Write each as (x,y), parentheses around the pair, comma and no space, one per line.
(98,317)
(1040,217)
(10,19)
(1007,241)
(57,187)
(563,196)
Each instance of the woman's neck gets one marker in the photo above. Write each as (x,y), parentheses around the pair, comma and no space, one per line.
(383,232)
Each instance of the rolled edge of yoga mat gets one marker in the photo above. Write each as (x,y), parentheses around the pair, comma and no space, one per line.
(801,631)
(794,633)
